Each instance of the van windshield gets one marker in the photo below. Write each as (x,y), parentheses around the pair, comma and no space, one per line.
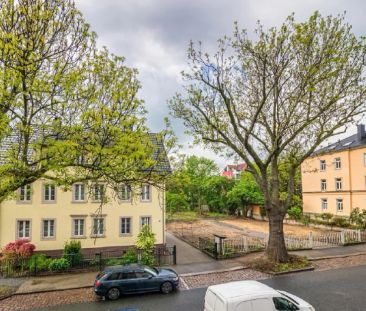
(290,298)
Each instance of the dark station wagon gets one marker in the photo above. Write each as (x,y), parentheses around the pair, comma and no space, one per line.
(119,280)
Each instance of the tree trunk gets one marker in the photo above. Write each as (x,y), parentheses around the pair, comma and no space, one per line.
(276,250)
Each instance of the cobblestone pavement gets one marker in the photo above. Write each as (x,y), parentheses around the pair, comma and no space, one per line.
(334,263)
(203,280)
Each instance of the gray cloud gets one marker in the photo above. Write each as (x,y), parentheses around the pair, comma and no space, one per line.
(153,35)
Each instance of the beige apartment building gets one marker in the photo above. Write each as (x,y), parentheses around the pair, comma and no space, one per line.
(334,178)
(49,217)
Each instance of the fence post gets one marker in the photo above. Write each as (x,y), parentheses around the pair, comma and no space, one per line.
(100,260)
(215,250)
(311,240)
(359,235)
(342,237)
(174,255)
(246,249)
(35,265)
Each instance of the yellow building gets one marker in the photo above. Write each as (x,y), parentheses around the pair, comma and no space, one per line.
(334,178)
(49,217)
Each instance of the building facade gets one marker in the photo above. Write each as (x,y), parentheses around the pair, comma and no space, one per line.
(49,217)
(334,178)
(233,171)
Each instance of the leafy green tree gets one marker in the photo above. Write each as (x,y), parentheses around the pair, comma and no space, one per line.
(216,189)
(275,100)
(176,202)
(358,217)
(146,242)
(245,194)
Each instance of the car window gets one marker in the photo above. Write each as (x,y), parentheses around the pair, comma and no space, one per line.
(114,276)
(283,304)
(152,271)
(127,275)
(142,274)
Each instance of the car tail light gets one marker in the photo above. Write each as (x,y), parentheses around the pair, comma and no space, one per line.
(97,283)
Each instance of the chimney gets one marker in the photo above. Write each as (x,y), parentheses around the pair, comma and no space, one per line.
(361,132)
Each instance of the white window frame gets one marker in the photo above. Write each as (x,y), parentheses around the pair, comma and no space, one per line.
(21,233)
(339,203)
(98,228)
(122,225)
(76,195)
(97,194)
(125,193)
(323,165)
(323,185)
(49,187)
(337,163)
(324,204)
(338,184)
(146,195)
(46,233)
(364,159)
(142,221)
(25,194)
(76,225)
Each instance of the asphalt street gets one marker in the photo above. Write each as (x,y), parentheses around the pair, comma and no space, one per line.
(333,290)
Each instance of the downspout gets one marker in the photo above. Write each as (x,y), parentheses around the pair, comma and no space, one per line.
(163,210)
(350,180)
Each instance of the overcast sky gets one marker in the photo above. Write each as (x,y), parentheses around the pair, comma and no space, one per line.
(153,35)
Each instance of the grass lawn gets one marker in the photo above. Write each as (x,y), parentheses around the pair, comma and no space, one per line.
(295,263)
(193,215)
(6,290)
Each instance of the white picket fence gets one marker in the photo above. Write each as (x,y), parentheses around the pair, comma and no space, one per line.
(247,244)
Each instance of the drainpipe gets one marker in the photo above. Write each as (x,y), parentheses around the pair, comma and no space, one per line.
(350,180)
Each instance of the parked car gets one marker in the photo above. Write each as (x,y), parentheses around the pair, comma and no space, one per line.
(129,279)
(251,296)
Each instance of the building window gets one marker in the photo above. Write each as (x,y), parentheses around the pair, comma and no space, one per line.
(323,185)
(339,205)
(125,193)
(79,192)
(23,229)
(338,184)
(337,163)
(146,220)
(364,159)
(98,192)
(145,193)
(98,227)
(25,193)
(79,227)
(48,228)
(125,225)
(322,165)
(365,182)
(324,204)
(49,193)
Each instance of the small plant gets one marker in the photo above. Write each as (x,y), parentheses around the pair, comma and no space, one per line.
(72,252)
(18,249)
(358,217)
(60,264)
(295,213)
(114,262)
(129,257)
(39,262)
(146,243)
(326,216)
(305,219)
(340,222)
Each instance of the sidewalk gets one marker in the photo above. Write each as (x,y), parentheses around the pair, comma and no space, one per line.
(332,252)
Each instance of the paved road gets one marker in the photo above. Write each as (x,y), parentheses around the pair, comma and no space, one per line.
(333,290)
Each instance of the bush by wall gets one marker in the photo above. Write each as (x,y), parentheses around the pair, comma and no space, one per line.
(72,253)
(60,264)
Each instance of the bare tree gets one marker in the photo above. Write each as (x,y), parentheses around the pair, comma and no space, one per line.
(273,101)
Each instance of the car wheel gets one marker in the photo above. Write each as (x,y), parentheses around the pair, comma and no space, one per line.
(113,293)
(166,287)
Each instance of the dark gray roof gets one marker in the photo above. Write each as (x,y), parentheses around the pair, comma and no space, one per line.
(350,142)
(162,164)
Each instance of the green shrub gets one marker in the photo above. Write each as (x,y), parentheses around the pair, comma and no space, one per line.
(60,264)
(72,252)
(114,262)
(305,219)
(294,212)
(340,222)
(326,216)
(129,257)
(39,262)
(358,217)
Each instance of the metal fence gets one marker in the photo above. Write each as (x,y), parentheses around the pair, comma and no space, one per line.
(69,263)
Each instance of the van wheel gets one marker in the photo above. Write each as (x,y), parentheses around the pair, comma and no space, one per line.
(113,293)
(166,287)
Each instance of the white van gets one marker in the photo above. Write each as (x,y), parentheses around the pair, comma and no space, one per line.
(251,296)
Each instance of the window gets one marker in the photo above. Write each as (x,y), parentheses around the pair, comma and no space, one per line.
(145,193)
(365,182)
(283,304)
(23,229)
(79,192)
(25,193)
(49,192)
(98,227)
(364,159)
(324,204)
(323,185)
(127,275)
(79,227)
(48,228)
(339,205)
(323,165)
(125,225)
(337,163)
(338,184)
(142,274)
(146,220)
(125,193)
(98,192)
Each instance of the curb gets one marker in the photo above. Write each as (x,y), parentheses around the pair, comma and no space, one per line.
(213,271)
(336,256)
(49,290)
(292,271)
